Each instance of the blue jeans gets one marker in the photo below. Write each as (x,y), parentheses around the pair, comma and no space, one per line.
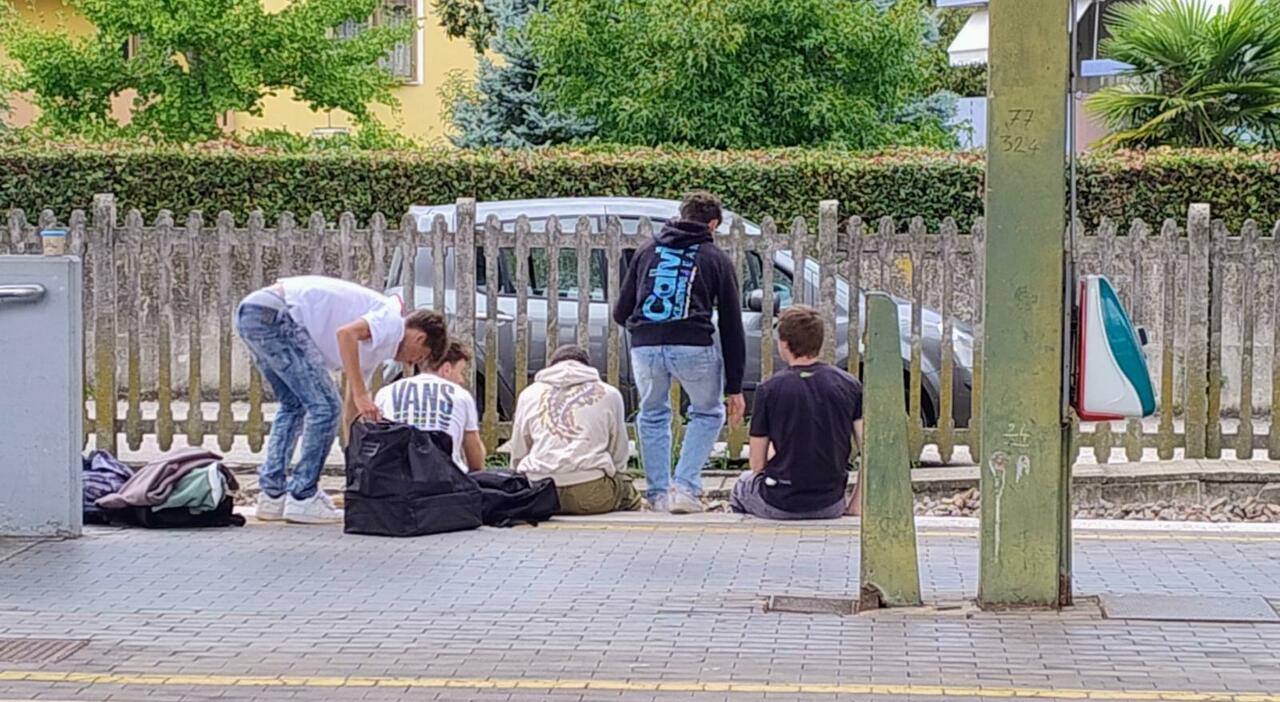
(291,363)
(700,371)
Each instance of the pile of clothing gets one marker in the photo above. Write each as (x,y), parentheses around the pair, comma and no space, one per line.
(186,488)
(100,475)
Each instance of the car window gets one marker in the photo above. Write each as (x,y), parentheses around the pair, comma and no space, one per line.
(538,271)
(782,288)
(537,225)
(506,263)
(631,225)
(782,284)
(538,267)
(538,264)
(424,273)
(751,278)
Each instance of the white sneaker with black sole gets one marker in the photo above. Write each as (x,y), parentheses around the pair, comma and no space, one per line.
(269,509)
(317,509)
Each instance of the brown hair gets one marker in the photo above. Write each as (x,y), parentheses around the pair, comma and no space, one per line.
(801,327)
(431,323)
(569,352)
(454,353)
(702,207)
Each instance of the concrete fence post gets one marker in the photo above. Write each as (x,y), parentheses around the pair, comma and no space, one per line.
(1196,384)
(890,575)
(103,264)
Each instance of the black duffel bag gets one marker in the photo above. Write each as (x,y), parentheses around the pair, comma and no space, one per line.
(401,481)
(510,498)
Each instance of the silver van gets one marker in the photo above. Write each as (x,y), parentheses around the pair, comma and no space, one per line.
(629,212)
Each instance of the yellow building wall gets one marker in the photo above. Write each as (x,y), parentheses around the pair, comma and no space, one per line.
(54,15)
(418,116)
(420,112)
(51,14)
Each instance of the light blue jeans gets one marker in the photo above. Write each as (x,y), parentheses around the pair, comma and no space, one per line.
(700,371)
(291,363)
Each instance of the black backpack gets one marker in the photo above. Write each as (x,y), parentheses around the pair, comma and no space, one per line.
(509,498)
(401,481)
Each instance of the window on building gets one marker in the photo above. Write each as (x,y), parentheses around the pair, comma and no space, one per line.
(131,46)
(402,60)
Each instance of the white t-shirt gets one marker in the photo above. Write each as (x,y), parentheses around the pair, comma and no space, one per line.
(322,305)
(432,403)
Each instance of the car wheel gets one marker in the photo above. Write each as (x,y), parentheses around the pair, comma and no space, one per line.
(928,414)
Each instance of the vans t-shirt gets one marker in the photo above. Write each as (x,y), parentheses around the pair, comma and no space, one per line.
(323,305)
(807,413)
(432,403)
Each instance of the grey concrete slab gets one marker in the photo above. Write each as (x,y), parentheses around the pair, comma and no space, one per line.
(1189,608)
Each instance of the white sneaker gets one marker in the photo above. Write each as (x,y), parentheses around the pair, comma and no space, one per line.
(317,509)
(269,509)
(684,503)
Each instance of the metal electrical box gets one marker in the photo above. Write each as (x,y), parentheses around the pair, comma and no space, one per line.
(41,395)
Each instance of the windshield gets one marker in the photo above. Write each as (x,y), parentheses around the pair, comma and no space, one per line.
(424,269)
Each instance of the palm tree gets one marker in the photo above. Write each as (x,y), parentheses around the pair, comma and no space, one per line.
(1200,78)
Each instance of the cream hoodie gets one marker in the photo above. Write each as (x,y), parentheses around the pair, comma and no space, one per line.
(569,426)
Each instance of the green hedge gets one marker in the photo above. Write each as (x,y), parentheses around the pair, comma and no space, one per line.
(784,184)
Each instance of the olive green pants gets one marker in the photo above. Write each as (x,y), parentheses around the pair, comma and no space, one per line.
(609,494)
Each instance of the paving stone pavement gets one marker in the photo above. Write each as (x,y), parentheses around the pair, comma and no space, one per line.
(662,609)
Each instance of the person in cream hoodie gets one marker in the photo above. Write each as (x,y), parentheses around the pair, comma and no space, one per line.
(571,427)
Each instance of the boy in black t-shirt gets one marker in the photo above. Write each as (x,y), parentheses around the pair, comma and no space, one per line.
(801,426)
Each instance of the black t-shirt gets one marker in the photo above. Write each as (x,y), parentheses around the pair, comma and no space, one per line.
(807,413)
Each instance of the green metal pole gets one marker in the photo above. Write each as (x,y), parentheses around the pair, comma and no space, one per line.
(1025,472)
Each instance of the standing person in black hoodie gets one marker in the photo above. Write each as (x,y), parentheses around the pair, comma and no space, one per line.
(672,288)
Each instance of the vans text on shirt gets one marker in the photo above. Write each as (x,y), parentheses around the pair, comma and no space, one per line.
(432,403)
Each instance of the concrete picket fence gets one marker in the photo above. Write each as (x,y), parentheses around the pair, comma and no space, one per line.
(159,300)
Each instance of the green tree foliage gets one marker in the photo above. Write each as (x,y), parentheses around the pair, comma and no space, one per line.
(371,136)
(503,108)
(1199,79)
(466,19)
(965,81)
(939,102)
(198,59)
(6,86)
(8,81)
(737,73)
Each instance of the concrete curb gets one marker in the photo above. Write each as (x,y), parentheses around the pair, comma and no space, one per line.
(935,523)
(960,525)
(1185,482)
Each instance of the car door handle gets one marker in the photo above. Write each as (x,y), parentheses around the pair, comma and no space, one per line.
(21,293)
